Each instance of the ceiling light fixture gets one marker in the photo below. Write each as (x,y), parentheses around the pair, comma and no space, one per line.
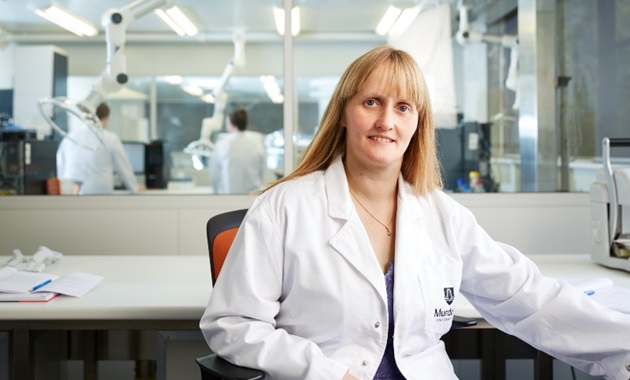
(68,20)
(272,88)
(404,20)
(192,90)
(208,98)
(177,20)
(278,15)
(174,79)
(395,21)
(388,19)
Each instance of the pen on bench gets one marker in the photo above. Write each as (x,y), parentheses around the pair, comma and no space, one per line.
(41,285)
(589,292)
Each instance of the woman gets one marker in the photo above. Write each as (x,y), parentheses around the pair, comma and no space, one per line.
(308,289)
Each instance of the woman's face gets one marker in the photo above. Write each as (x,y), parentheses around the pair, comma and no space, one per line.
(380,121)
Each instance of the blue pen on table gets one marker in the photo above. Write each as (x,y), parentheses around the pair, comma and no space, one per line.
(41,285)
(589,292)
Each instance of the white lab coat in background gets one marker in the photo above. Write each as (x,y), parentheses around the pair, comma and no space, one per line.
(94,170)
(238,163)
(302,296)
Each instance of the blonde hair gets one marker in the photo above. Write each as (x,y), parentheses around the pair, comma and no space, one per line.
(420,166)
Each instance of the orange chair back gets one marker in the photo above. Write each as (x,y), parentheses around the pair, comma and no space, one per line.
(221,230)
(220,248)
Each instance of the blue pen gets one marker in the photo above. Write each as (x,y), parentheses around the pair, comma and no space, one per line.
(589,292)
(41,285)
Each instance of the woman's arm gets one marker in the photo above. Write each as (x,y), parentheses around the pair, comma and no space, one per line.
(510,292)
(239,323)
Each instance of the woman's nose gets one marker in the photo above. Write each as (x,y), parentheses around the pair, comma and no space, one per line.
(385,119)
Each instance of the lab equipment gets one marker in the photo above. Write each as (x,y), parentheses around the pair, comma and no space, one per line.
(25,163)
(466,35)
(204,147)
(464,149)
(135,150)
(475,182)
(113,77)
(610,211)
(155,175)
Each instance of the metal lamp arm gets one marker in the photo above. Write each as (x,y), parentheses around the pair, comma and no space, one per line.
(466,35)
(204,146)
(115,23)
(214,123)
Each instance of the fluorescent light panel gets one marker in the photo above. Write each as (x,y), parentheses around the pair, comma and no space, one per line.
(68,20)
(170,22)
(388,19)
(396,21)
(278,15)
(404,20)
(192,90)
(177,20)
(272,88)
(174,79)
(208,98)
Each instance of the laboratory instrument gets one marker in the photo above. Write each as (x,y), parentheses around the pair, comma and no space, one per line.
(203,147)
(610,210)
(465,35)
(112,79)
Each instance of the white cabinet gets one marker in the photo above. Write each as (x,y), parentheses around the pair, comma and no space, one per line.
(40,72)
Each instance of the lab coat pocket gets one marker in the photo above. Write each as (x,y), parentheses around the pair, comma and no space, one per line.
(440,285)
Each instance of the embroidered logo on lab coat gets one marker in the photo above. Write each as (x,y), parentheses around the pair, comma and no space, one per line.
(440,284)
(442,315)
(449,295)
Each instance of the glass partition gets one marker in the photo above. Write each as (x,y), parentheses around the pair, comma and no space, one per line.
(182,110)
(538,131)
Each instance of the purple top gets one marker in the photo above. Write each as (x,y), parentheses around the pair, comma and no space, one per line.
(388,370)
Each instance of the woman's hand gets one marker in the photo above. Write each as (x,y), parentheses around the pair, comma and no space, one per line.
(348,376)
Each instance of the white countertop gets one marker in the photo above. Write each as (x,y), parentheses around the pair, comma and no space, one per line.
(133,288)
(178,287)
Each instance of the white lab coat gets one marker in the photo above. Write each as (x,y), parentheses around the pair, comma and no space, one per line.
(238,165)
(94,170)
(302,296)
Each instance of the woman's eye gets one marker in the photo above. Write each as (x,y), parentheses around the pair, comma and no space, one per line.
(404,108)
(370,102)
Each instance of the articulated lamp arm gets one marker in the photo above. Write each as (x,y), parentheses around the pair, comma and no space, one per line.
(115,23)
(203,146)
(112,79)
(466,35)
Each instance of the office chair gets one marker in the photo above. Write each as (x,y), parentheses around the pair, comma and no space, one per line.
(221,230)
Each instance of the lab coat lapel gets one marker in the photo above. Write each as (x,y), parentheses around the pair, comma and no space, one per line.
(351,241)
(413,244)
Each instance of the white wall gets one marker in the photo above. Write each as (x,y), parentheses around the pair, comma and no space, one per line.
(175,225)
(535,223)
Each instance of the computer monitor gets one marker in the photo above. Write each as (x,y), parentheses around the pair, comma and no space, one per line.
(135,152)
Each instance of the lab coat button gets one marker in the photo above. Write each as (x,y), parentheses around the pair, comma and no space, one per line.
(364,363)
(628,367)
(377,325)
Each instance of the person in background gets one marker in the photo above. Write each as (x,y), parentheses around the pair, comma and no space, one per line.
(93,169)
(238,162)
(348,268)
